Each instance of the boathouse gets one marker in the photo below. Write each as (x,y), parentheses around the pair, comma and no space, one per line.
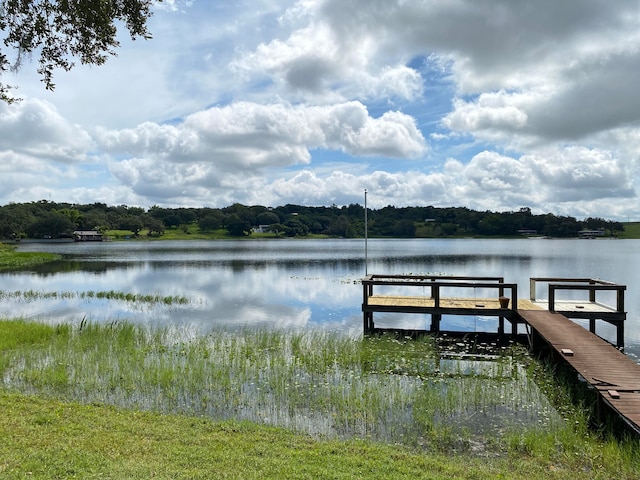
(87,236)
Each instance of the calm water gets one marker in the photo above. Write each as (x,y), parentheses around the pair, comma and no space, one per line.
(297,283)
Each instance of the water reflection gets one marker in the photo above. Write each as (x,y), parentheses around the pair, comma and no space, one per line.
(297,283)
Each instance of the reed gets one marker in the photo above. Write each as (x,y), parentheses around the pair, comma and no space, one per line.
(315,382)
(36,295)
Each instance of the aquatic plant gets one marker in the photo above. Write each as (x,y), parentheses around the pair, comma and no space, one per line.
(316,382)
(36,295)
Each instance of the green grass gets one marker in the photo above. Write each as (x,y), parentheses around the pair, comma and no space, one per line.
(46,439)
(192,232)
(12,260)
(119,401)
(631,230)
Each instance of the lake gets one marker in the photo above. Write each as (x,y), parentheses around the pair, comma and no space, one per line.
(291,283)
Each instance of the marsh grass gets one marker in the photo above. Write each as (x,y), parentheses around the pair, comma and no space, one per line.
(12,260)
(313,382)
(36,295)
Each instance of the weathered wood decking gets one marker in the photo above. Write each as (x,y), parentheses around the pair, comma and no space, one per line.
(614,375)
(604,367)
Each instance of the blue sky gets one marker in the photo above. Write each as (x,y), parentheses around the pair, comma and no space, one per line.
(491,105)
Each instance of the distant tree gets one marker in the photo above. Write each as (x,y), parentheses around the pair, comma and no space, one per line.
(277,228)
(267,218)
(448,229)
(492,224)
(355,211)
(341,226)
(131,223)
(93,219)
(244,213)
(186,216)
(10,225)
(209,222)
(614,227)
(51,225)
(295,228)
(594,223)
(155,226)
(237,226)
(72,214)
(381,225)
(62,30)
(171,221)
(404,228)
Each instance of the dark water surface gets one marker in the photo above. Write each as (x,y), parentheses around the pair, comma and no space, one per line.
(294,283)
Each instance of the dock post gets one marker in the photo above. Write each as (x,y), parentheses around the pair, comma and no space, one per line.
(620,335)
(435,317)
(367,316)
(501,318)
(513,317)
(435,322)
(368,323)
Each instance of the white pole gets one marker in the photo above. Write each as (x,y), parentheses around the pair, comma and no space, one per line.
(366,236)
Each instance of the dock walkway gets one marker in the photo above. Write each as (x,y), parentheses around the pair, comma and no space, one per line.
(605,368)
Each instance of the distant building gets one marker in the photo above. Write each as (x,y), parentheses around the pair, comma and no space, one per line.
(87,236)
(261,229)
(525,231)
(591,233)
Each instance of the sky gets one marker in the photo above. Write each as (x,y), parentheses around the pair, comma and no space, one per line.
(486,104)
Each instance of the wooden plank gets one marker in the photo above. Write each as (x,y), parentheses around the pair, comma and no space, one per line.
(627,406)
(416,301)
(575,306)
(424,301)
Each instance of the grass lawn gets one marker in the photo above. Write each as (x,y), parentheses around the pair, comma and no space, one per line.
(192,232)
(631,230)
(46,439)
(50,439)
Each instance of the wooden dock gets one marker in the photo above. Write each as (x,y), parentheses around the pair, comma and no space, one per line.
(547,322)
(437,295)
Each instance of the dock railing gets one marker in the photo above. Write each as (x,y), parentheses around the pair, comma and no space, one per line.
(593,309)
(589,284)
(435,285)
(438,282)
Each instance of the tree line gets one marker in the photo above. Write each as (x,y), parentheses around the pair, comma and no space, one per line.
(46,219)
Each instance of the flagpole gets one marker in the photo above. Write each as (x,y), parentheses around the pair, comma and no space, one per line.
(366,236)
